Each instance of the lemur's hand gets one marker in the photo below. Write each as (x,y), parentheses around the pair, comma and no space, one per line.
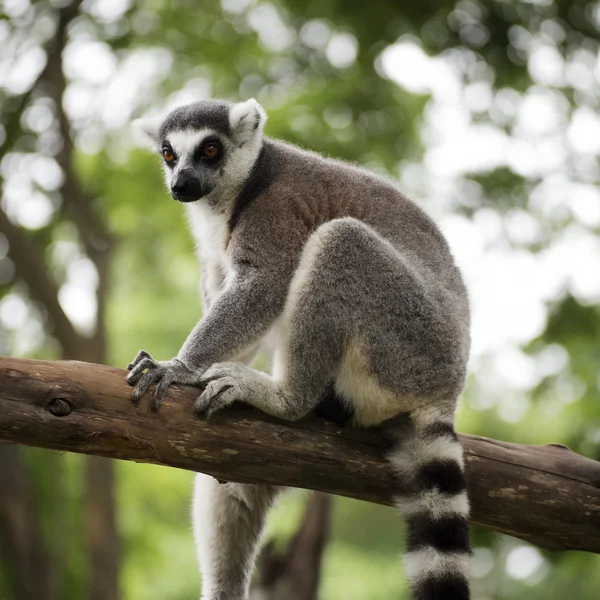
(145,371)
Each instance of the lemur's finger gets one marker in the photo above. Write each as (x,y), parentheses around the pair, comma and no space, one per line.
(140,355)
(148,378)
(213,373)
(201,405)
(137,371)
(215,388)
(214,407)
(202,402)
(211,396)
(161,391)
(225,398)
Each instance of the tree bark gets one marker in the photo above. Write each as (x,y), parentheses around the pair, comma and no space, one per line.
(546,495)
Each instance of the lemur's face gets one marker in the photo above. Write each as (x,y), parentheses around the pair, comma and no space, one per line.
(194,161)
(207,147)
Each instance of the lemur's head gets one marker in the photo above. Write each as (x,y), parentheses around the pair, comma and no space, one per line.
(208,146)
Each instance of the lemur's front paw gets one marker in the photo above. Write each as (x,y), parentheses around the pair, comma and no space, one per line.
(144,371)
(224,385)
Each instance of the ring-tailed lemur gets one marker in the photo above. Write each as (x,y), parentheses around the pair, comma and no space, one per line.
(358,289)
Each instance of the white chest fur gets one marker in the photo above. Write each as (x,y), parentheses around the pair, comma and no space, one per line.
(210,232)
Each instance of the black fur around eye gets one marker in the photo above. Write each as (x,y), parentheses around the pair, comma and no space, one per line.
(209,151)
(168,154)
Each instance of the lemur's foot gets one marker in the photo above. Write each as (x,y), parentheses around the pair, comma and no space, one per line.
(227,383)
(144,371)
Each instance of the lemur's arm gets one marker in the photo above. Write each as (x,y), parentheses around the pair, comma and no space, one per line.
(237,319)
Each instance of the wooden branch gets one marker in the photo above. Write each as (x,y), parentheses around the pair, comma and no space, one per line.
(546,495)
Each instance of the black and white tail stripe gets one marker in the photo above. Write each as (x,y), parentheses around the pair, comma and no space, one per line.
(433,498)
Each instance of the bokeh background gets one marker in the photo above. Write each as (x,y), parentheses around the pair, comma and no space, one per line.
(485,112)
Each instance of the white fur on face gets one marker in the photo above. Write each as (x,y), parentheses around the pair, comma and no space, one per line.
(185,142)
(237,163)
(242,147)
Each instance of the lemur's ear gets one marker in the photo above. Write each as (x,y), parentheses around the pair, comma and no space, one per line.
(146,129)
(247,120)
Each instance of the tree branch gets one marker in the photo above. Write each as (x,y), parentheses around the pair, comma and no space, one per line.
(546,495)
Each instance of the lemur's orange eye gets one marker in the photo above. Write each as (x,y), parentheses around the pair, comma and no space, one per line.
(168,155)
(210,151)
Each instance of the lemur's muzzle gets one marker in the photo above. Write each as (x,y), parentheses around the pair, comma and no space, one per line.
(186,187)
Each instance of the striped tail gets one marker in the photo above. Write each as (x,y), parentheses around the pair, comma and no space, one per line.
(433,498)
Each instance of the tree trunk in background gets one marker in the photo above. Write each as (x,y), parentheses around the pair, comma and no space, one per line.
(22,543)
(29,564)
(102,540)
(101,534)
(295,575)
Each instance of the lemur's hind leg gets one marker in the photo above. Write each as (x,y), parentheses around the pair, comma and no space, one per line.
(228,522)
(310,342)
(352,290)
(353,293)
(313,331)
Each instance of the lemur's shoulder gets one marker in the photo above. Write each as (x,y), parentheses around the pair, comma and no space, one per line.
(286,179)
(290,184)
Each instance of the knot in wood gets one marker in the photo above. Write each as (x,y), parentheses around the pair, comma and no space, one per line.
(59,407)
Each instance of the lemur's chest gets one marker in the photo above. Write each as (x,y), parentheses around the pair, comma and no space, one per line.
(210,231)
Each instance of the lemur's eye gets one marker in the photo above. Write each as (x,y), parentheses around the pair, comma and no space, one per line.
(168,154)
(210,151)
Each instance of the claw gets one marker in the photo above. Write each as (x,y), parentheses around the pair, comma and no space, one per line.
(209,401)
(147,379)
(161,390)
(219,403)
(145,371)
(201,406)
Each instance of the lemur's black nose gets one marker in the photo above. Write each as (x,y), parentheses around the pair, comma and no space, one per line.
(186,187)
